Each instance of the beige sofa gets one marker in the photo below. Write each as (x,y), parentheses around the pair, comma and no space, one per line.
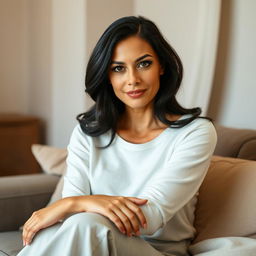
(225,217)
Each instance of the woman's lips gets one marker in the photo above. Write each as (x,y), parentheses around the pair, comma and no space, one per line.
(136,93)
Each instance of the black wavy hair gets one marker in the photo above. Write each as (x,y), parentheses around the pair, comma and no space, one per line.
(105,113)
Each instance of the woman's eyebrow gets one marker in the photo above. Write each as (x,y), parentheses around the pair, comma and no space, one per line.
(140,58)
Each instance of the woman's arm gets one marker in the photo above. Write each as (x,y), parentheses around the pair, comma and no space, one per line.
(124,212)
(46,217)
(77,183)
(176,183)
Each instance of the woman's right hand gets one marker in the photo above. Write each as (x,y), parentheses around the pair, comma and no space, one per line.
(124,212)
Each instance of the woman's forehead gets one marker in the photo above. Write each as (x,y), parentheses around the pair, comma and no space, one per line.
(131,48)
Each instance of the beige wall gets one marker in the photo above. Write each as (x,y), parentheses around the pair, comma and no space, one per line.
(191,27)
(234,90)
(45,46)
(44,49)
(13,56)
(68,65)
(100,14)
(43,63)
(39,56)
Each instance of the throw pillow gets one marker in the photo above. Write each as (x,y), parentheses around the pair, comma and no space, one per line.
(226,203)
(53,161)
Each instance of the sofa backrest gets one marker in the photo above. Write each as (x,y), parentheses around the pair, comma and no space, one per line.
(236,143)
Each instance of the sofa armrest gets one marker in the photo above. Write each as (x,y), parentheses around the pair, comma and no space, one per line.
(21,195)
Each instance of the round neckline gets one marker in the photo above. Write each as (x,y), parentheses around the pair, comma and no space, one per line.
(141,146)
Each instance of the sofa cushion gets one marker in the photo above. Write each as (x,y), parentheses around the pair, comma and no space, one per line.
(224,246)
(10,243)
(57,194)
(226,203)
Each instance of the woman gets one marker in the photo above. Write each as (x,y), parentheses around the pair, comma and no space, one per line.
(135,161)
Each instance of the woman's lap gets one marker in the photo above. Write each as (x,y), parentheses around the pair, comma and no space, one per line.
(87,234)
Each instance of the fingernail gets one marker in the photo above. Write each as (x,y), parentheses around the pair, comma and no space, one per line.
(145,225)
(137,233)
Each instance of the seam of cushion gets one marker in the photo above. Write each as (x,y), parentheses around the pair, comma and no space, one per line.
(242,144)
(240,160)
(245,142)
(4,253)
(25,195)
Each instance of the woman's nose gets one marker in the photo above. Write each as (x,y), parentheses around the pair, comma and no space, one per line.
(133,77)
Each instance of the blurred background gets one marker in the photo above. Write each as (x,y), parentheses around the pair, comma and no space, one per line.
(45,45)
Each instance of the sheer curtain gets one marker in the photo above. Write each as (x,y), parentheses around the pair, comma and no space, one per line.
(192,28)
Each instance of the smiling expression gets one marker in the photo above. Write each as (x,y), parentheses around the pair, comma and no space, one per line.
(135,73)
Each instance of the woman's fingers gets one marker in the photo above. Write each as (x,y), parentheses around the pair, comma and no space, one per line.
(124,212)
(128,219)
(134,220)
(130,214)
(31,227)
(127,209)
(139,213)
(29,231)
(38,220)
(116,220)
(29,236)
(138,201)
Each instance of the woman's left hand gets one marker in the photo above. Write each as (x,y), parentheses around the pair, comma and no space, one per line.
(44,218)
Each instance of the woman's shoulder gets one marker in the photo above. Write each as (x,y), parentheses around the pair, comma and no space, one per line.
(203,123)
(78,136)
(200,129)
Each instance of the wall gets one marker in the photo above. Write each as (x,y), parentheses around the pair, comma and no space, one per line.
(57,43)
(101,14)
(233,96)
(45,46)
(97,20)
(13,56)
(68,65)
(191,27)
(39,56)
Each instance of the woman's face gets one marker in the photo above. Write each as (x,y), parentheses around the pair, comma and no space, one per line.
(135,72)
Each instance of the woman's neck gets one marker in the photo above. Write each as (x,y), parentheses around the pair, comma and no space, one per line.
(142,121)
(139,121)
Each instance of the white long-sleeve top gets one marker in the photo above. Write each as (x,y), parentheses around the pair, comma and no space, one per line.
(167,171)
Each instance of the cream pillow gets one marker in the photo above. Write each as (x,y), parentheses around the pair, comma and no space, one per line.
(227,199)
(53,161)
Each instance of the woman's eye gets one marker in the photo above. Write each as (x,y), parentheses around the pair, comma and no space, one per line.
(144,64)
(117,69)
